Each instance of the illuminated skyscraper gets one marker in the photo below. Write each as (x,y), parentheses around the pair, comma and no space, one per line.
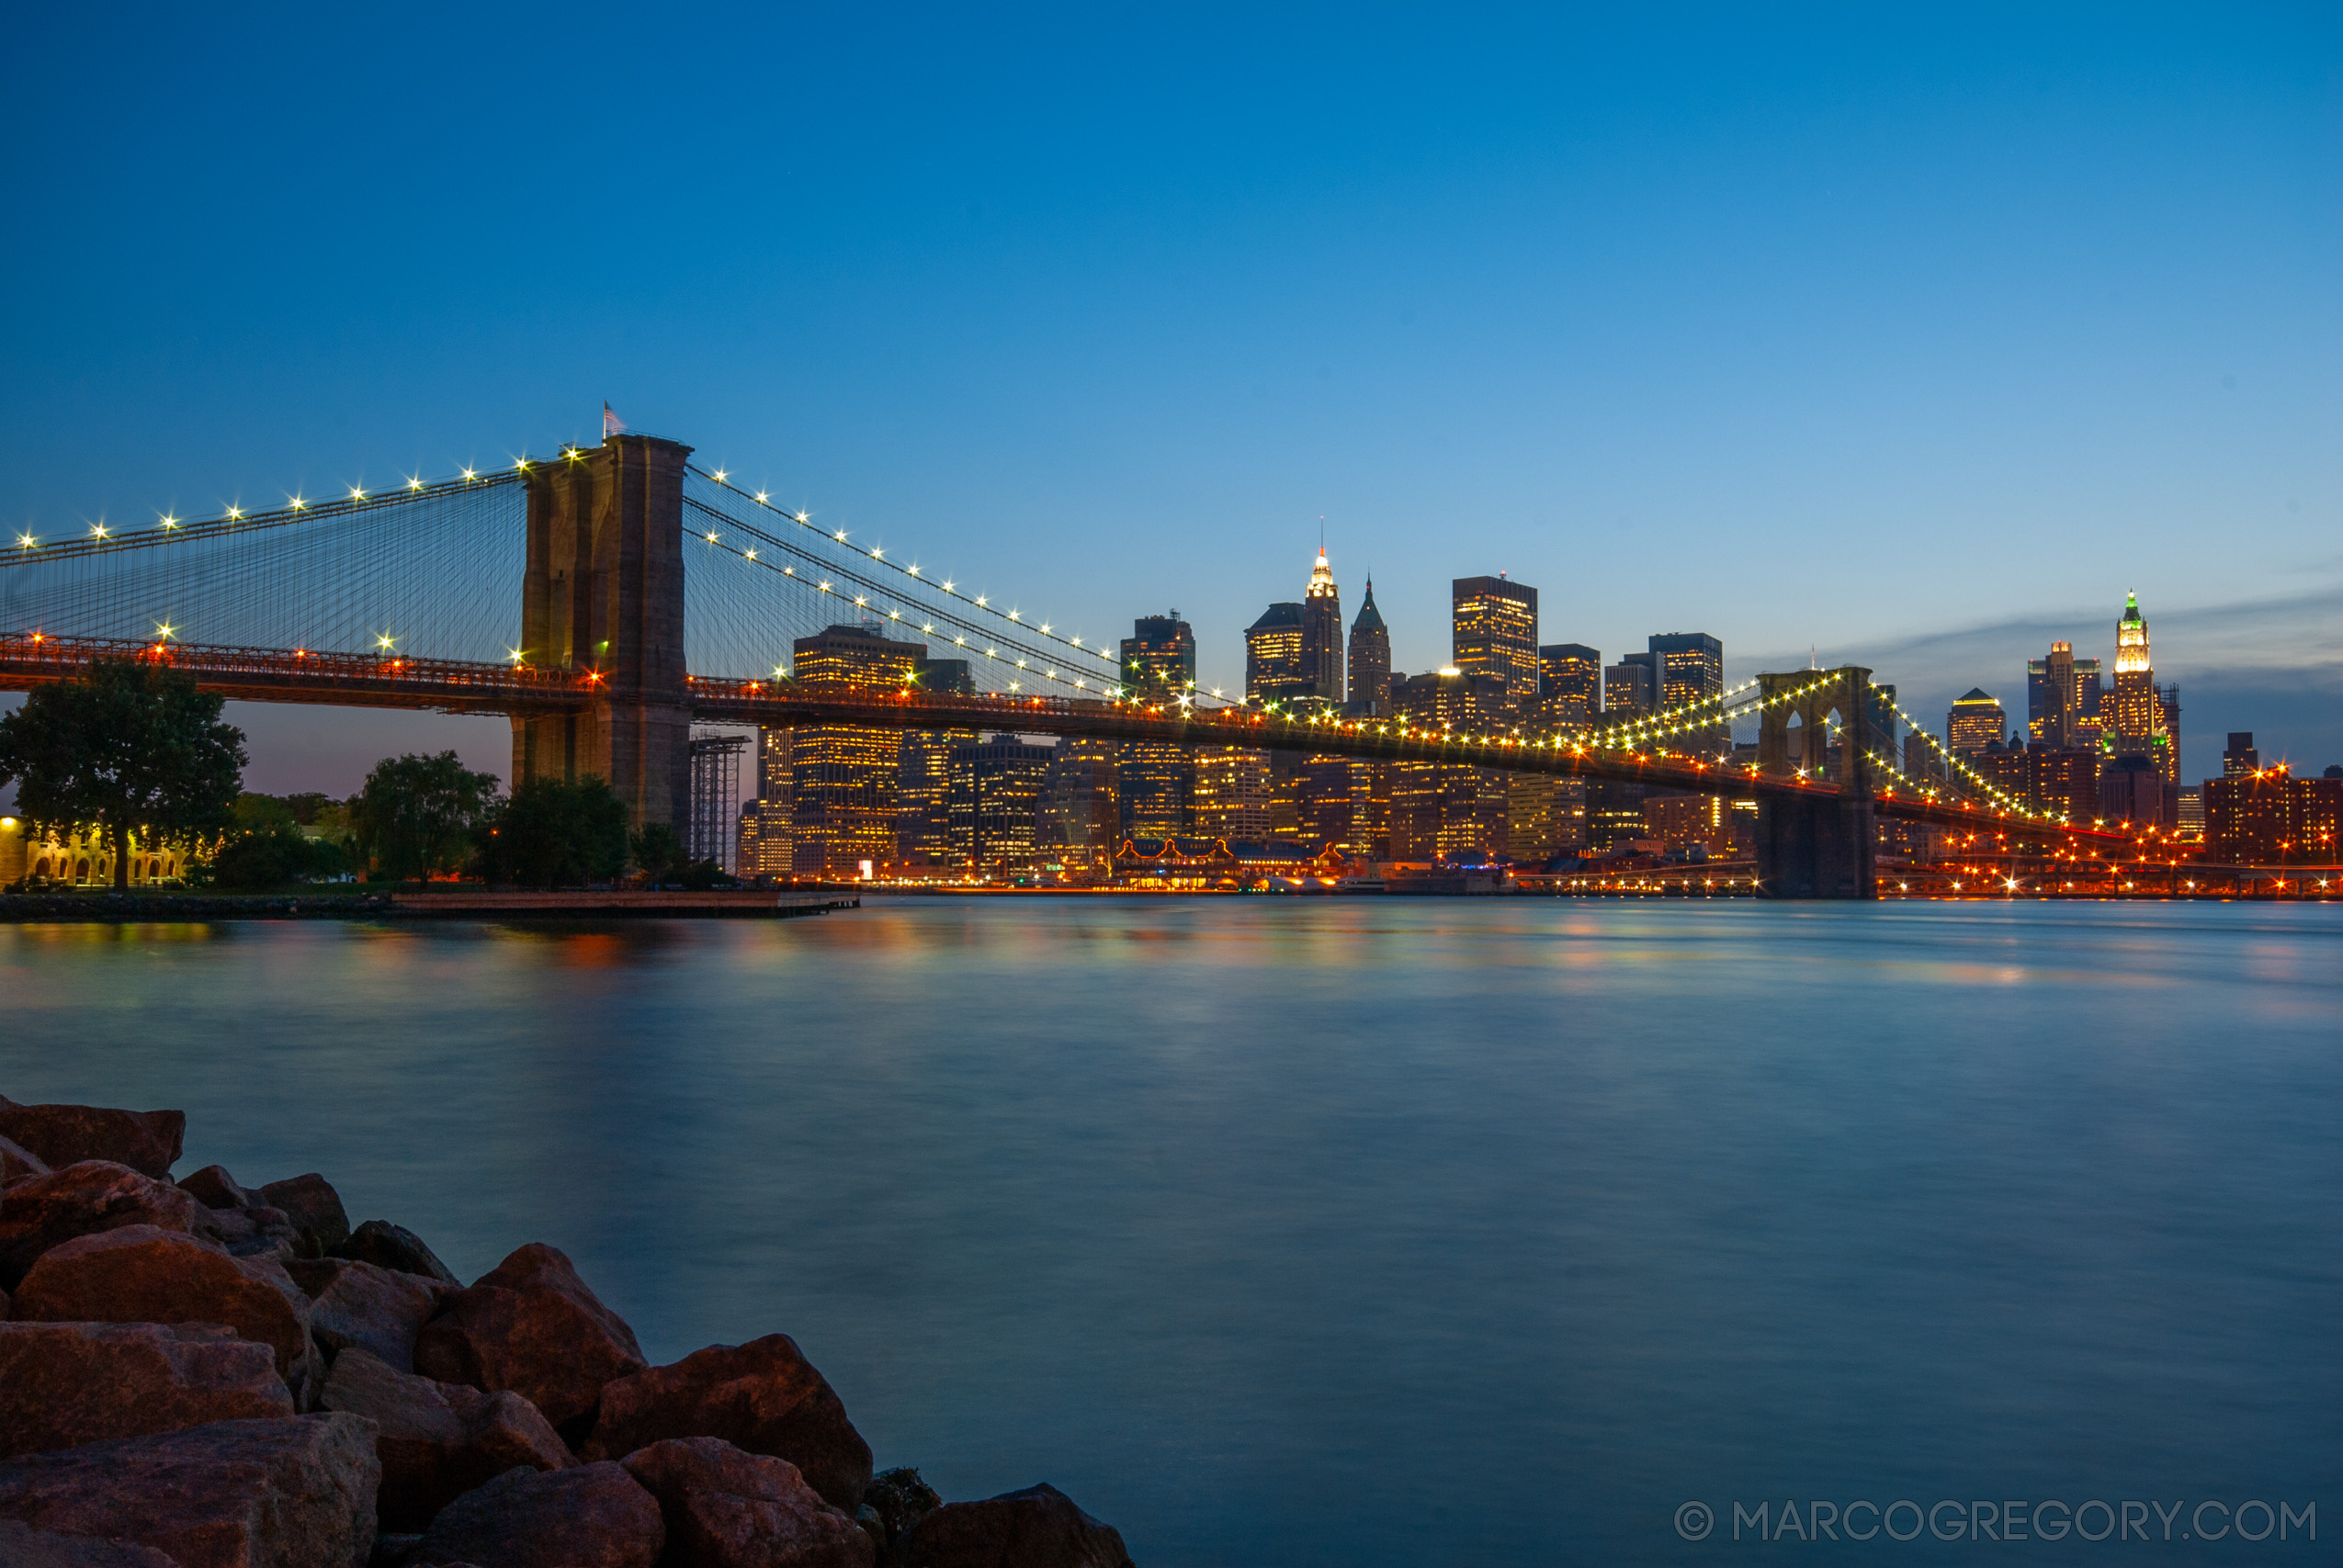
(1494,633)
(1687,668)
(1627,686)
(995,789)
(1159,656)
(2063,698)
(1232,794)
(1076,818)
(922,818)
(2139,728)
(1155,779)
(1370,653)
(1273,669)
(1323,633)
(845,778)
(1976,722)
(1569,685)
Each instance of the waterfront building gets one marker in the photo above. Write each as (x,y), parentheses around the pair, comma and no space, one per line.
(2139,728)
(844,777)
(1078,816)
(1569,685)
(1685,822)
(1345,802)
(1976,722)
(1323,633)
(2270,817)
(1155,779)
(1232,794)
(1449,808)
(1370,654)
(923,812)
(1627,688)
(82,858)
(1493,633)
(1539,819)
(995,790)
(1615,813)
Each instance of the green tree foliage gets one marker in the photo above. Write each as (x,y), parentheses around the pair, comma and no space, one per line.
(659,852)
(419,815)
(130,748)
(552,834)
(275,857)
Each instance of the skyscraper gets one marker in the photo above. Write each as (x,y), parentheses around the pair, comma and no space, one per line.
(1275,671)
(1155,779)
(1976,722)
(2139,729)
(2241,761)
(2063,698)
(844,778)
(1569,685)
(1687,668)
(1076,818)
(1370,653)
(1493,632)
(923,815)
(1232,794)
(1627,686)
(1159,656)
(1323,633)
(995,788)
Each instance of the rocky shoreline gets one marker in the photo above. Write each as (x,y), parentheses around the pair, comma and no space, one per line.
(200,1374)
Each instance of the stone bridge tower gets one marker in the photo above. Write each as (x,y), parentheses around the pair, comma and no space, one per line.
(603,595)
(1819,849)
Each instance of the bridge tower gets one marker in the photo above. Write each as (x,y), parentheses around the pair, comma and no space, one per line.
(603,594)
(1819,849)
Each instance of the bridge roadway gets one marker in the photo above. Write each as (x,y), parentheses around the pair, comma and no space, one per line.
(352,679)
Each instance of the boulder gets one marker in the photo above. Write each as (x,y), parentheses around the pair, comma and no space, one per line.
(293,1492)
(21,1546)
(1038,1528)
(81,1200)
(763,1396)
(315,1209)
(438,1440)
(214,1189)
(531,1326)
(146,1141)
(358,1305)
(16,1163)
(387,1246)
(63,1384)
(594,1515)
(144,1274)
(725,1508)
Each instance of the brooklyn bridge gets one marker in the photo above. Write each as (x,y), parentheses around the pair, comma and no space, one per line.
(607,598)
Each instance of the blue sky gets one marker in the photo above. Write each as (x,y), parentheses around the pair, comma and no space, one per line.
(1909,335)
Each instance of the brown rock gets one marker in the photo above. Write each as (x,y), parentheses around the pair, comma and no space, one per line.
(1038,1528)
(763,1396)
(63,1384)
(590,1517)
(387,1246)
(21,1546)
(358,1305)
(143,1274)
(81,1200)
(214,1189)
(16,1163)
(146,1141)
(295,1492)
(531,1326)
(314,1208)
(438,1440)
(725,1508)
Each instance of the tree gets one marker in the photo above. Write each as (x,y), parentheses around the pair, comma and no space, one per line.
(130,747)
(272,857)
(552,834)
(418,814)
(659,853)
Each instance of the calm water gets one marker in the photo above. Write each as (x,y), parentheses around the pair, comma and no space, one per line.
(1376,1232)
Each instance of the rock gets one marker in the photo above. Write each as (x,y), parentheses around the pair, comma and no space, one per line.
(315,1209)
(358,1305)
(763,1396)
(438,1440)
(143,1274)
(21,1546)
(896,1500)
(16,1163)
(214,1189)
(146,1141)
(590,1517)
(387,1246)
(81,1200)
(63,1384)
(1038,1528)
(294,1492)
(725,1508)
(531,1326)
(249,1233)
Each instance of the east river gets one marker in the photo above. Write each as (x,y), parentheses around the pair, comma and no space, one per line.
(1364,1232)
